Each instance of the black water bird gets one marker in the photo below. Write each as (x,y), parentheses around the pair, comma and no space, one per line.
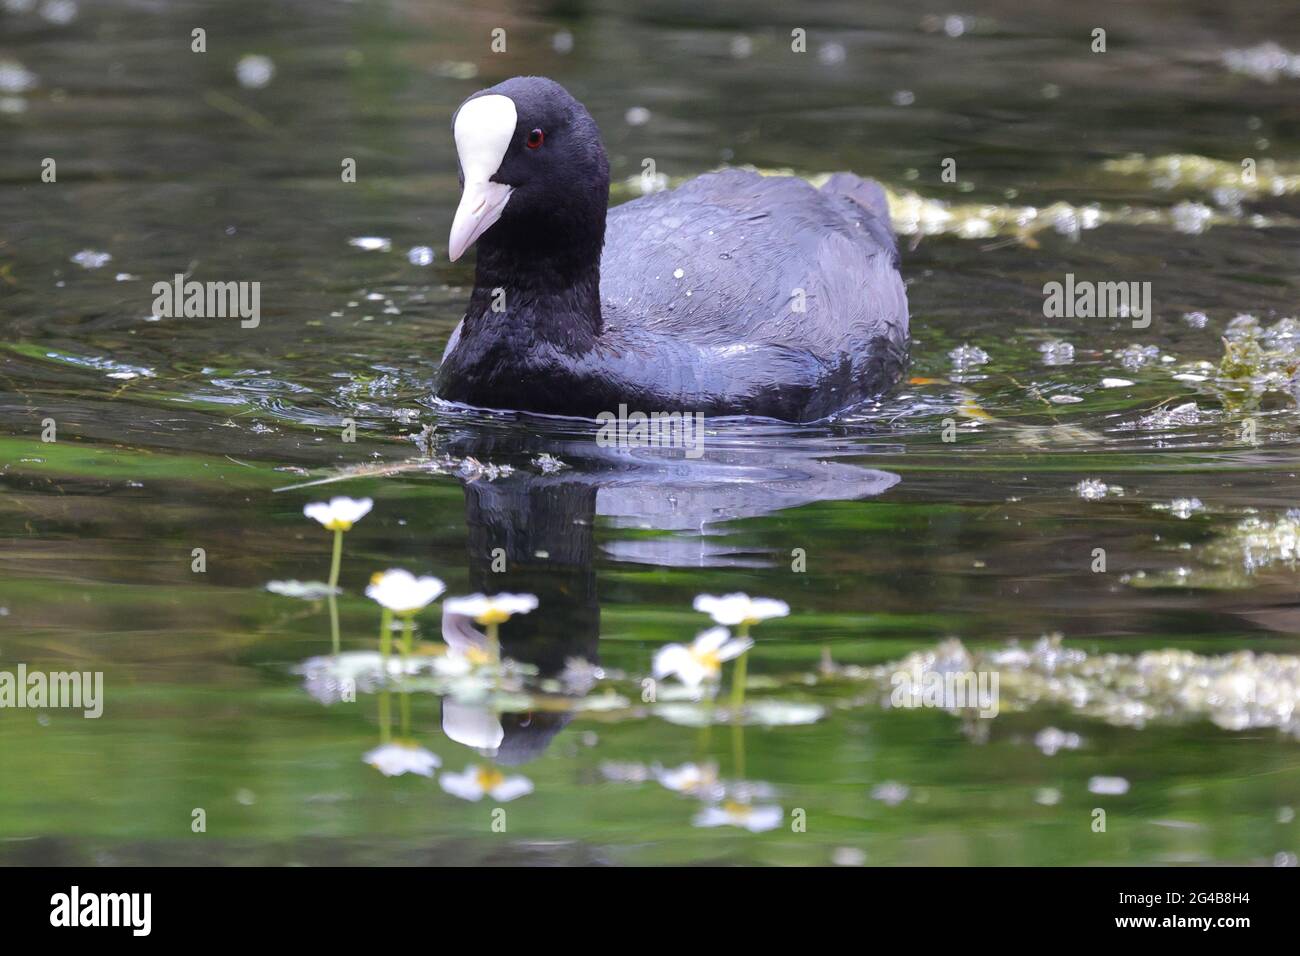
(734,294)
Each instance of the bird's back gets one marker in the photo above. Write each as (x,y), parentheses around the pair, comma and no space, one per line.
(734,258)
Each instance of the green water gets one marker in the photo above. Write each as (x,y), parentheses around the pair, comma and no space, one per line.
(884,538)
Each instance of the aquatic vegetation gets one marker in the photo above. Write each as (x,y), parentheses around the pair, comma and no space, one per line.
(477,688)
(758,713)
(306,590)
(402,592)
(625,771)
(338,514)
(891,793)
(734,814)
(1258,360)
(1181,507)
(330,678)
(740,610)
(395,759)
(475,782)
(916,215)
(580,676)
(1094,489)
(1192,218)
(1108,786)
(1256,543)
(695,780)
(1235,691)
(1235,555)
(1206,175)
(461,661)
(493,610)
(1052,740)
(702,659)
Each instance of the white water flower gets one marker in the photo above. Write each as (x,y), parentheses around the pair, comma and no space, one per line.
(339,514)
(402,592)
(760,713)
(783,713)
(732,610)
(307,590)
(891,793)
(702,660)
(395,759)
(460,662)
(491,610)
(477,782)
(696,780)
(1108,786)
(753,819)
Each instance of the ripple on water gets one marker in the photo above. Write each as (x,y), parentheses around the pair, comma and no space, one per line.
(111,367)
(260,383)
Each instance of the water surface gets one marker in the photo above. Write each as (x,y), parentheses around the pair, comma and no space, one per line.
(176,434)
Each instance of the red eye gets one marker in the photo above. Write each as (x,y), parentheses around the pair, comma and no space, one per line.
(535,139)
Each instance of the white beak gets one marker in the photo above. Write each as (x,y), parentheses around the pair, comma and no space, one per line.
(472,725)
(481,204)
(483,130)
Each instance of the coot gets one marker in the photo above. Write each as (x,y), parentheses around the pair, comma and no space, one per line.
(734,294)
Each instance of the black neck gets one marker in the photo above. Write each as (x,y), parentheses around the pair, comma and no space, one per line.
(553,294)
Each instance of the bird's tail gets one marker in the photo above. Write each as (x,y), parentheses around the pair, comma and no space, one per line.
(867,193)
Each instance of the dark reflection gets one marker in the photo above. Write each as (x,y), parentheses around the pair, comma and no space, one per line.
(542,533)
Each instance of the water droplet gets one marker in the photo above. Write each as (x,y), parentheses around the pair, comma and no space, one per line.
(254,71)
(91,259)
